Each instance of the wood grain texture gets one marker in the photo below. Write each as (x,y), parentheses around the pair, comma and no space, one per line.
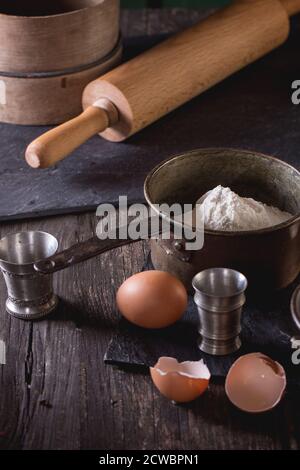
(57,143)
(50,99)
(59,41)
(188,64)
(56,392)
(233,114)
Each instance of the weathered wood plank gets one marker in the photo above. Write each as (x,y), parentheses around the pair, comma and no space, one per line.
(56,392)
(69,399)
(45,365)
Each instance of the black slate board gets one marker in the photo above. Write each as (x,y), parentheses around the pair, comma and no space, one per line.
(267,327)
(251,109)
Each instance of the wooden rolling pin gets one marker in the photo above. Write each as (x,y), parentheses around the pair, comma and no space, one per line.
(137,93)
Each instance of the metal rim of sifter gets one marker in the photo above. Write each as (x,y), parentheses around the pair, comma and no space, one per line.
(295,307)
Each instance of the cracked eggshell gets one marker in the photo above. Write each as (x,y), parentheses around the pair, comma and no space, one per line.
(180,381)
(255,383)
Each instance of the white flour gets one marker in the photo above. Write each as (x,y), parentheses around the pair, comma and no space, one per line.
(225,210)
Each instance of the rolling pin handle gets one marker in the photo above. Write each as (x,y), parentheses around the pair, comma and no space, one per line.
(150,86)
(56,144)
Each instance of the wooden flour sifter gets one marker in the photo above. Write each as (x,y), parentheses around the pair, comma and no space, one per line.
(137,93)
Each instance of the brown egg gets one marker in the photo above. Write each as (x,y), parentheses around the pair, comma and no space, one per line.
(152,299)
(255,383)
(180,382)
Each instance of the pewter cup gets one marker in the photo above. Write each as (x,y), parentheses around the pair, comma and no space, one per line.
(30,293)
(219,296)
(28,261)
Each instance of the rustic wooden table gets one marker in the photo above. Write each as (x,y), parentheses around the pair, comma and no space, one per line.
(56,392)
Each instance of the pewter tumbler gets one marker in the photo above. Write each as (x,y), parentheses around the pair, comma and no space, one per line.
(219,296)
(30,294)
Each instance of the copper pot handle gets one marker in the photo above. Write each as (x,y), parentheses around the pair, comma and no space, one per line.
(88,249)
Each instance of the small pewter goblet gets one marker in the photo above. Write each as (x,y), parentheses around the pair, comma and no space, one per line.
(219,296)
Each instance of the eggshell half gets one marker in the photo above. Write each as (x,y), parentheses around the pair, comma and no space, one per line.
(152,299)
(180,382)
(255,383)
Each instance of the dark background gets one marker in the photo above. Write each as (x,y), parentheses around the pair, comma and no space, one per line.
(172,3)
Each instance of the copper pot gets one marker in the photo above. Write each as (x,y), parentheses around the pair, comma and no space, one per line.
(268,257)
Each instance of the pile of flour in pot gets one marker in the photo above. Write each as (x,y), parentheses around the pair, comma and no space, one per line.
(226,211)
